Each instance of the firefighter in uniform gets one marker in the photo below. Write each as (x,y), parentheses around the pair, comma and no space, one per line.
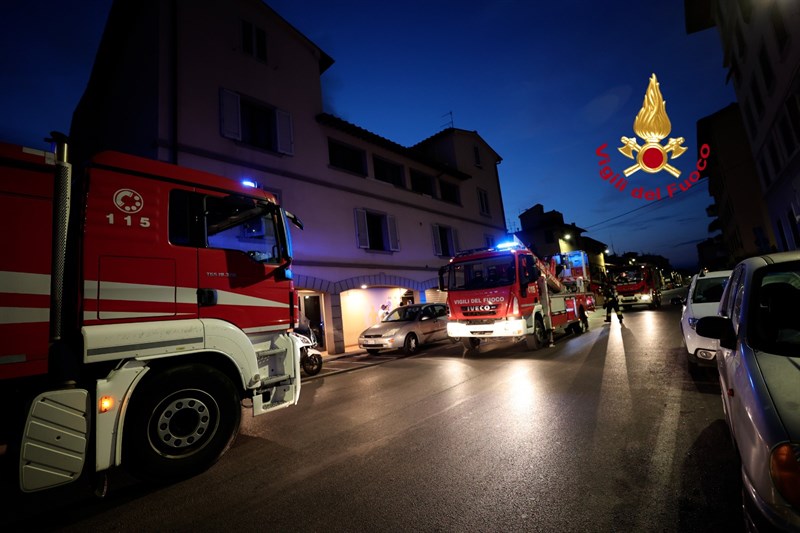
(611,300)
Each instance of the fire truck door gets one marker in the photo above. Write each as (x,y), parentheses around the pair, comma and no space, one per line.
(237,269)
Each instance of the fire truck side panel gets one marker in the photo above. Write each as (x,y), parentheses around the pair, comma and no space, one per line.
(26,198)
(131,270)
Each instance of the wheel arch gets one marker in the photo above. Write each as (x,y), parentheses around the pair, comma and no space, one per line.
(146,370)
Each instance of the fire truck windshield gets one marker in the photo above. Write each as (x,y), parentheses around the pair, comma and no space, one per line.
(482,274)
(626,276)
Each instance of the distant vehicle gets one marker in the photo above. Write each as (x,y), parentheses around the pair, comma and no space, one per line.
(406,328)
(758,328)
(506,292)
(702,299)
(638,284)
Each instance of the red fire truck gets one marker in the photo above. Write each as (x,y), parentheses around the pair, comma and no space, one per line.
(140,303)
(508,292)
(637,284)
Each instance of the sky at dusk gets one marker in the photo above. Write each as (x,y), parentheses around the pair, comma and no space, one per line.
(544,83)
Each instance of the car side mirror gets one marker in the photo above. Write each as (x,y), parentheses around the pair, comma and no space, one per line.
(718,327)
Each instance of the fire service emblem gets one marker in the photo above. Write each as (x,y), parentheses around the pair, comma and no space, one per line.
(652,124)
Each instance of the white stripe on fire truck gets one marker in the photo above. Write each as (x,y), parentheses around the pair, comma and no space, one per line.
(24,315)
(24,283)
(115,315)
(143,346)
(140,292)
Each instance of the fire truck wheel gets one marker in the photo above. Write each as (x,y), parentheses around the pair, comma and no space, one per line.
(180,421)
(537,339)
(470,343)
(411,344)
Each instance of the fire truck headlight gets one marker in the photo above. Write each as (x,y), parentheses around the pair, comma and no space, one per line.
(645,297)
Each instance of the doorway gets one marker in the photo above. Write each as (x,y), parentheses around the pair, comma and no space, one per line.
(311,307)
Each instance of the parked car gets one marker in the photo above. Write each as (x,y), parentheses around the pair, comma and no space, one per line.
(702,299)
(758,328)
(406,327)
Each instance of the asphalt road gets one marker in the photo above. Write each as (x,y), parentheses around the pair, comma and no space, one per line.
(606,431)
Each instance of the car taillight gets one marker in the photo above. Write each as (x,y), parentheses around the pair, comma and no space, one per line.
(784,467)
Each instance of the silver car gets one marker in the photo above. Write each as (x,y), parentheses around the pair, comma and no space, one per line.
(406,328)
(758,328)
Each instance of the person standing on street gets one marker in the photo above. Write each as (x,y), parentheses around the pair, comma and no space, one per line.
(611,300)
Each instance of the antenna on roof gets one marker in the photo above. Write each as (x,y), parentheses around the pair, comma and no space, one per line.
(448,124)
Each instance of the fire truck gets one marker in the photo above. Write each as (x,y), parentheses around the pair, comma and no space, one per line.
(507,292)
(141,304)
(637,284)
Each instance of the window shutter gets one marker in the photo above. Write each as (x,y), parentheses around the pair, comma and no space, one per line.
(391,226)
(437,241)
(456,247)
(285,137)
(362,234)
(230,126)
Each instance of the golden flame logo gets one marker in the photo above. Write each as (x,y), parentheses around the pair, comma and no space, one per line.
(652,124)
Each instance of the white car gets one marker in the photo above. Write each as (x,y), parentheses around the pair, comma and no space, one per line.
(758,327)
(702,299)
(406,328)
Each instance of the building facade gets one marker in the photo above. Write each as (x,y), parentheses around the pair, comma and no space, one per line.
(231,88)
(761,44)
(738,210)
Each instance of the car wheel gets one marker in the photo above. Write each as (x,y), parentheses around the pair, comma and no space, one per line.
(470,343)
(411,344)
(180,421)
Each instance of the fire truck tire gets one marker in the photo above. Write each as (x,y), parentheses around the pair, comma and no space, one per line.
(470,343)
(538,338)
(180,422)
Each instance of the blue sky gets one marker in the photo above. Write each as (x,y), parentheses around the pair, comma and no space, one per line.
(544,83)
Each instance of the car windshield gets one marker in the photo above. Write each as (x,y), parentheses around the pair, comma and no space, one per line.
(774,310)
(403,314)
(708,290)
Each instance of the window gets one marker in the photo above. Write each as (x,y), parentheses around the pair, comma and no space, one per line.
(376,231)
(476,153)
(226,223)
(488,241)
(422,183)
(389,172)
(445,241)
(254,41)
(449,192)
(483,201)
(346,157)
(255,124)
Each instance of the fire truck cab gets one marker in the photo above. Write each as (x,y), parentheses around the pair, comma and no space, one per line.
(508,292)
